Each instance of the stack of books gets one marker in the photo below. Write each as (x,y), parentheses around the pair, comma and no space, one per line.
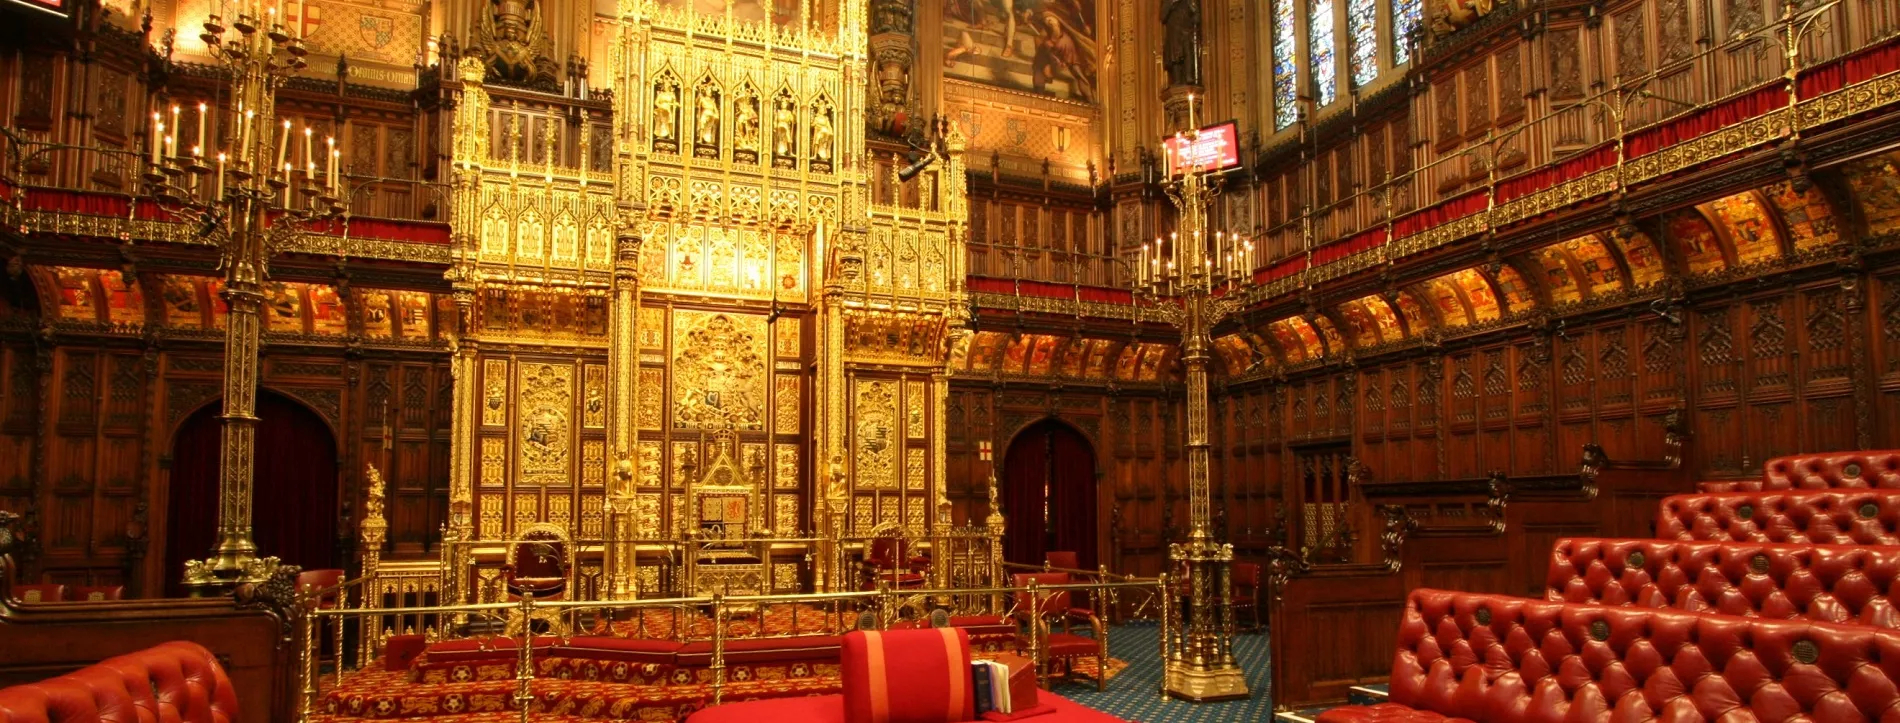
(1004,687)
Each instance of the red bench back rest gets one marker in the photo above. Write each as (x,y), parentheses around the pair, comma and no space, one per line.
(1830,583)
(177,682)
(1879,469)
(1496,658)
(1821,518)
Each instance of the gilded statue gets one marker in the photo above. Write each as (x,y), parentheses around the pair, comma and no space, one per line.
(784,127)
(666,103)
(745,123)
(1181,47)
(512,38)
(707,124)
(821,135)
(373,496)
(1448,16)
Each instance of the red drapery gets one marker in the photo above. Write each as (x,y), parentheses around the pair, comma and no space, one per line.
(1049,453)
(294,502)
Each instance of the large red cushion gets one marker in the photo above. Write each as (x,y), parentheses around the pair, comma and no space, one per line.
(812,709)
(908,676)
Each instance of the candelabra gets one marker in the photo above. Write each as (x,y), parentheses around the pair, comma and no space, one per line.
(247,205)
(1198,274)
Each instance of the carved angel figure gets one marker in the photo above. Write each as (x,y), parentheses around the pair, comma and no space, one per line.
(666,103)
(708,119)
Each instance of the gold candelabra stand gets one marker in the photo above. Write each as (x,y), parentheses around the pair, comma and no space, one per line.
(1199,274)
(247,205)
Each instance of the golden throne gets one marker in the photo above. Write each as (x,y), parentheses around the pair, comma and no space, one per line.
(725,513)
(539,563)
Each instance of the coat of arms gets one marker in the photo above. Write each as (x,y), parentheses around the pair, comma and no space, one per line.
(375,30)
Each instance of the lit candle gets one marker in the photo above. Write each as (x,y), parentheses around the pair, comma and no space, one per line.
(1142,270)
(283,147)
(310,161)
(1191,123)
(244,133)
(333,157)
(220,193)
(329,170)
(198,150)
(158,136)
(172,140)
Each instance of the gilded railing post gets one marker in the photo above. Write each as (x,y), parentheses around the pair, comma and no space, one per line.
(307,607)
(524,662)
(718,667)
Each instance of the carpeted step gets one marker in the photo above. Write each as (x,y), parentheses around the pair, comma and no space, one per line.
(389,695)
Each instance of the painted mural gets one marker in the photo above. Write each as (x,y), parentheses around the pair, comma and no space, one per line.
(1639,251)
(1695,242)
(1359,324)
(1041,46)
(1557,275)
(1808,216)
(1748,225)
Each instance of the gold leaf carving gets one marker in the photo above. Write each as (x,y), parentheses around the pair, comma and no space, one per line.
(652,391)
(495,392)
(787,464)
(875,434)
(914,468)
(786,403)
(593,462)
(914,410)
(560,509)
(686,464)
(652,320)
(914,515)
(785,577)
(592,515)
(594,399)
(527,509)
(494,462)
(718,371)
(547,391)
(651,454)
(752,461)
(646,514)
(491,516)
(788,341)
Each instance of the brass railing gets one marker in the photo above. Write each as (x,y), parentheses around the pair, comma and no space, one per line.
(325,615)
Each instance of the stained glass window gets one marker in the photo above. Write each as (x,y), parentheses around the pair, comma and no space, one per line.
(1319,28)
(1362,27)
(1285,70)
(1405,14)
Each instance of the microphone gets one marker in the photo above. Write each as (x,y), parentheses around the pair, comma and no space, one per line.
(911,171)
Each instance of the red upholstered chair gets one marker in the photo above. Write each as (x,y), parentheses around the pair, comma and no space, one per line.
(96,593)
(537,563)
(889,559)
(47,593)
(319,580)
(1062,560)
(1245,577)
(1062,648)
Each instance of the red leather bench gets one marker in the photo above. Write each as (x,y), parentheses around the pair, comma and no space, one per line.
(177,682)
(1879,469)
(1830,583)
(1870,517)
(1492,658)
(919,675)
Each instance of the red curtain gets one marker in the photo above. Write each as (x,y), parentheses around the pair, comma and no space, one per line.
(294,495)
(1072,494)
(1055,455)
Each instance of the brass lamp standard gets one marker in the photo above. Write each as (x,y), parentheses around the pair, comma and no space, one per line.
(247,204)
(1198,273)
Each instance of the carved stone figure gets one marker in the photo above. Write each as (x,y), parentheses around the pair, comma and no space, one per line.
(666,105)
(511,37)
(821,134)
(784,127)
(745,123)
(1449,16)
(1181,50)
(707,124)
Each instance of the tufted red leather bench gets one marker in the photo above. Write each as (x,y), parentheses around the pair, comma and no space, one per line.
(1830,583)
(1843,517)
(1491,658)
(1878,469)
(177,682)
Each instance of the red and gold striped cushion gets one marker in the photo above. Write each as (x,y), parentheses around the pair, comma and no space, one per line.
(908,676)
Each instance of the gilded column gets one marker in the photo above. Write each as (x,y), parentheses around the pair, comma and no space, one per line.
(245,299)
(834,493)
(469,144)
(623,375)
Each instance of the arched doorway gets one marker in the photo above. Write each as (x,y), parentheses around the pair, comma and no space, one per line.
(294,492)
(1049,494)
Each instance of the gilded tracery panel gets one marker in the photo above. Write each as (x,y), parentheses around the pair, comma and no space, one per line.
(545,429)
(719,371)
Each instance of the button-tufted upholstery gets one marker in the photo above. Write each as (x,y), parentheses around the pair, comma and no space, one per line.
(177,682)
(1831,583)
(1866,468)
(1843,517)
(1494,658)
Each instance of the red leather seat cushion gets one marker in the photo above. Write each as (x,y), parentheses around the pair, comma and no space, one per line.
(1832,470)
(811,709)
(1070,645)
(763,650)
(1840,517)
(1830,583)
(401,651)
(177,682)
(1381,713)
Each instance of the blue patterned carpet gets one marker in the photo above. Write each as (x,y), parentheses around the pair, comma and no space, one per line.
(1135,694)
